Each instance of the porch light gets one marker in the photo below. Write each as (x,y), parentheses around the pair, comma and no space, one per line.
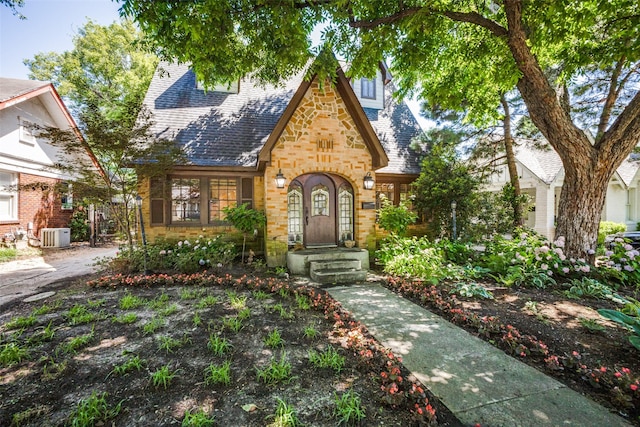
(280,179)
(368,181)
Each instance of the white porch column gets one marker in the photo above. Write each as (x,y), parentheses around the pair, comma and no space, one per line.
(545,210)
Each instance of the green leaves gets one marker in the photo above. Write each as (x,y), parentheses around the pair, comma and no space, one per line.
(632,323)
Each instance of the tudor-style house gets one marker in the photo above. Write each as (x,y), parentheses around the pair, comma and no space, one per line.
(312,156)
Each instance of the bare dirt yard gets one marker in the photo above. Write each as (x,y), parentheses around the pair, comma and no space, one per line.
(154,353)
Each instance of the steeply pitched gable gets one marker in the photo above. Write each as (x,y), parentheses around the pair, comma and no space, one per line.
(237,130)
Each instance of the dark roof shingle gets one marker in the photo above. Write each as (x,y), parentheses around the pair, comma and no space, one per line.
(230,129)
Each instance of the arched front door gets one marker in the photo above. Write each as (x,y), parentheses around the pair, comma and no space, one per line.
(320,210)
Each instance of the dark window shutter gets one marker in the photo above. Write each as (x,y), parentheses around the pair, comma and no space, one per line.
(157,211)
(247,191)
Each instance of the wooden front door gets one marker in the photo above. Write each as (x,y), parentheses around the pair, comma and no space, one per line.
(319,210)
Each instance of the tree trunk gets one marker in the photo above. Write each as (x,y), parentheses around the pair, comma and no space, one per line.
(581,203)
(511,164)
(587,167)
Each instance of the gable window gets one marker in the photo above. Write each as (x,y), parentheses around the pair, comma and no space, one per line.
(185,200)
(196,200)
(26,132)
(8,196)
(367,88)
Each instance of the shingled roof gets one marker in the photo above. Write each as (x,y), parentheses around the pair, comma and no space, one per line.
(219,129)
(546,163)
(13,88)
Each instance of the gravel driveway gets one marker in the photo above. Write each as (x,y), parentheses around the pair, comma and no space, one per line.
(24,277)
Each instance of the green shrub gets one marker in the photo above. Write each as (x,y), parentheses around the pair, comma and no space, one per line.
(79,225)
(609,227)
(184,256)
(395,219)
(413,257)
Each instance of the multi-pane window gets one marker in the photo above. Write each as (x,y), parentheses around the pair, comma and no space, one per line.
(388,190)
(197,200)
(66,198)
(345,213)
(367,88)
(185,200)
(8,196)
(157,193)
(294,213)
(320,200)
(223,193)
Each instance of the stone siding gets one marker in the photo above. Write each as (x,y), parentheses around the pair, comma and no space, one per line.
(321,137)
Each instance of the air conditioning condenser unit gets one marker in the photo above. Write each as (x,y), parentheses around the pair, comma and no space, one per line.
(55,237)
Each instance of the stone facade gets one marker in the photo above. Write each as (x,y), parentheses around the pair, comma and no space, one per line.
(321,137)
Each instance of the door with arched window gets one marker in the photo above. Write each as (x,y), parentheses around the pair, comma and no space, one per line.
(320,210)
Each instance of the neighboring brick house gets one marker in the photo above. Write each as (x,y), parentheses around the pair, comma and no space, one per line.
(27,173)
(325,140)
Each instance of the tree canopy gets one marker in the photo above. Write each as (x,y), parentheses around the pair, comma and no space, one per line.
(457,54)
(105,78)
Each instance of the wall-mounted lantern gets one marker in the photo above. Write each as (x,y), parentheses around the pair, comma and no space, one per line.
(280,179)
(368,181)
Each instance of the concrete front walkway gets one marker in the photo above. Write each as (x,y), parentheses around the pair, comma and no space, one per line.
(476,381)
(21,278)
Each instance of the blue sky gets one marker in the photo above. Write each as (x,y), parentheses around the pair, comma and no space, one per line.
(50,27)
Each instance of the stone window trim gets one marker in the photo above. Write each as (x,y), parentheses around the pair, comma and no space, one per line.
(161,199)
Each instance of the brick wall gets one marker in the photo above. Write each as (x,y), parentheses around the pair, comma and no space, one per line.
(38,204)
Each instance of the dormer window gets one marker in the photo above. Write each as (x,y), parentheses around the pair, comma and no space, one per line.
(370,91)
(367,88)
(231,87)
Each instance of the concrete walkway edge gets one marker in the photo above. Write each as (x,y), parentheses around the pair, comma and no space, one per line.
(476,381)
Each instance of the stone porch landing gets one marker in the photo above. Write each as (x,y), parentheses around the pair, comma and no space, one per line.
(330,265)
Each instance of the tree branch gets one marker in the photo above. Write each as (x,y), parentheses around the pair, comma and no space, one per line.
(610,101)
(477,19)
(544,108)
(368,24)
(469,17)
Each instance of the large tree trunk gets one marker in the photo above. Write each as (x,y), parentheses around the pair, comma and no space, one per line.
(581,203)
(511,164)
(588,167)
